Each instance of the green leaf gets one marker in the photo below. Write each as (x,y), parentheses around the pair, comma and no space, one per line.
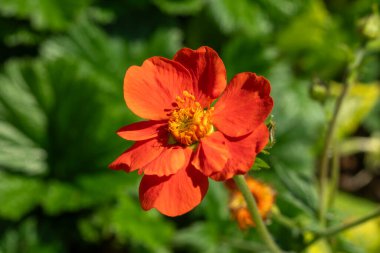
(284,9)
(85,39)
(19,153)
(180,7)
(210,238)
(260,164)
(357,105)
(215,204)
(364,236)
(148,229)
(18,195)
(42,132)
(46,14)
(21,36)
(24,100)
(238,55)
(17,95)
(240,16)
(323,39)
(164,42)
(315,20)
(344,245)
(106,184)
(198,236)
(24,238)
(89,48)
(87,191)
(299,121)
(299,188)
(61,197)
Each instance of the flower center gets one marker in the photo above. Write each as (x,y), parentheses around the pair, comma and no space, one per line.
(189,122)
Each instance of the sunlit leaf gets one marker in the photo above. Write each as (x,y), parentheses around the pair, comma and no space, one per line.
(365,235)
(19,153)
(17,95)
(356,106)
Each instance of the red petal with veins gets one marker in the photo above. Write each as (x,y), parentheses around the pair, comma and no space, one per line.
(142,130)
(212,154)
(207,70)
(173,195)
(151,90)
(137,156)
(169,162)
(243,151)
(153,157)
(244,105)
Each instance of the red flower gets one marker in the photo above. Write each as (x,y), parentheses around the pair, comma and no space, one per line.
(185,139)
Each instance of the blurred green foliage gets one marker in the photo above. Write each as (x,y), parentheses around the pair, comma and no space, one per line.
(62,68)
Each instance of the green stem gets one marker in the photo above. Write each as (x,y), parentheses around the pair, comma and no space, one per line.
(352,75)
(339,228)
(325,154)
(254,211)
(291,223)
(334,178)
(286,221)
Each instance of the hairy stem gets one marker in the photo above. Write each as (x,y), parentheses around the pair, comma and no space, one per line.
(254,211)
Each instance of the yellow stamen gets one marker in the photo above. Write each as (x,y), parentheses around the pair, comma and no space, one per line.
(189,121)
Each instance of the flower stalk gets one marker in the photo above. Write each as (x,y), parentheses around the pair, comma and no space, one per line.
(340,228)
(326,151)
(330,135)
(254,211)
(334,178)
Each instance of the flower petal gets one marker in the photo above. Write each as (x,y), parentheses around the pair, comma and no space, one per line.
(207,70)
(153,157)
(136,157)
(243,151)
(173,195)
(169,162)
(141,130)
(244,105)
(212,154)
(150,90)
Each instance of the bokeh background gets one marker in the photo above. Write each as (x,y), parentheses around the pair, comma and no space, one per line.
(62,65)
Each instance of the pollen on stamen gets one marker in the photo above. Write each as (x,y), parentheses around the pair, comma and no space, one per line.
(189,122)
